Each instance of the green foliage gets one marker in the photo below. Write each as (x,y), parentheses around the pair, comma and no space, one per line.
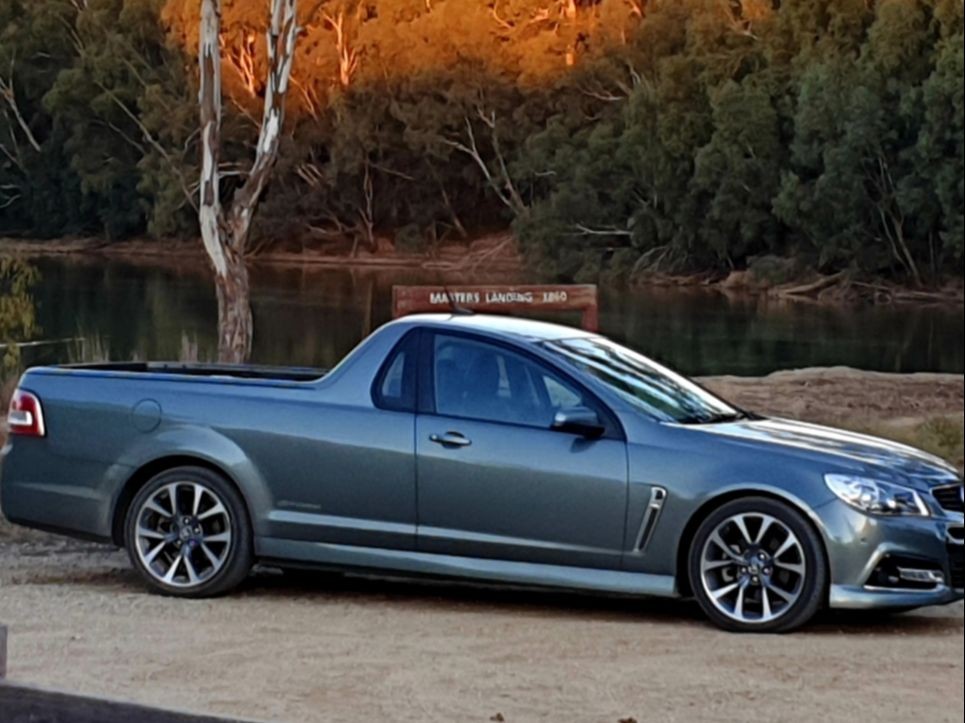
(35,193)
(18,320)
(940,151)
(856,187)
(611,136)
(90,81)
(828,130)
(735,173)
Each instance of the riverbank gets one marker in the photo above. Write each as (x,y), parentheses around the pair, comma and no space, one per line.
(787,280)
(495,254)
(81,621)
(498,254)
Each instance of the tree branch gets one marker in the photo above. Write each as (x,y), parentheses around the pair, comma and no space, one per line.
(472,151)
(282,34)
(9,95)
(13,156)
(209,99)
(587,231)
(151,140)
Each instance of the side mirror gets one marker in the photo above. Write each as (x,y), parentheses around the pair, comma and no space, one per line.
(579,420)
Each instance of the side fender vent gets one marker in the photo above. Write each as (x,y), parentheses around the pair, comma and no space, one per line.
(658,496)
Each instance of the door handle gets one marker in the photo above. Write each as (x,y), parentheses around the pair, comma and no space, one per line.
(450,439)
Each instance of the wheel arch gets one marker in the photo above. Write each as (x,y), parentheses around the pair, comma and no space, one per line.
(682,565)
(148,471)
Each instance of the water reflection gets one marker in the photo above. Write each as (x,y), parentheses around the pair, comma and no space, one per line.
(312,317)
(701,332)
(18,319)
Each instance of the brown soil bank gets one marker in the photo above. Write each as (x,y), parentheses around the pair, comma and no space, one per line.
(925,410)
(325,648)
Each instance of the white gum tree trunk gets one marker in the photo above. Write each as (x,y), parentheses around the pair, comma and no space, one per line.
(225,230)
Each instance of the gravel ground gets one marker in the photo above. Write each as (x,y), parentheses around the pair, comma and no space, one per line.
(326,648)
(331,648)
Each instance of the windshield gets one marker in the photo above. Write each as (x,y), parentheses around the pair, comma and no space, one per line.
(659,392)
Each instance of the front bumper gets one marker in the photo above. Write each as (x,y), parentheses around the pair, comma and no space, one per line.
(863,598)
(859,544)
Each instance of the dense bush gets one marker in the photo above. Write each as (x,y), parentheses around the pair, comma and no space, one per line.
(660,134)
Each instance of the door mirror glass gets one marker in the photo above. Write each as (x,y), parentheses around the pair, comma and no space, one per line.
(579,420)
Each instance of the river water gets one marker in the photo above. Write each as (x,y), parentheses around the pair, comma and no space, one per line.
(312,317)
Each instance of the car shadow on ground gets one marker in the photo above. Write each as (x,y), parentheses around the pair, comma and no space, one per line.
(463,596)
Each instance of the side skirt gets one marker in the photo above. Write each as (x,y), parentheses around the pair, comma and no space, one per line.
(498,571)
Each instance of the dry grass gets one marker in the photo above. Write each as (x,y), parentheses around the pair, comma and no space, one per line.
(942,436)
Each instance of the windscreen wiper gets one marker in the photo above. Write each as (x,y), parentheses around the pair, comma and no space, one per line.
(739,416)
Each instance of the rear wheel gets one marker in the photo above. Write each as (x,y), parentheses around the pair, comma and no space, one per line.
(756,565)
(188,534)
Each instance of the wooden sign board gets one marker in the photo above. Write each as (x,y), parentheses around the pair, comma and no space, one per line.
(498,300)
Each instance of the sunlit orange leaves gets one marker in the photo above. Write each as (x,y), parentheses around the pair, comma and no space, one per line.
(350,42)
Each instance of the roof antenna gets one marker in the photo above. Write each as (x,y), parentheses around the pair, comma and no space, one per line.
(454,307)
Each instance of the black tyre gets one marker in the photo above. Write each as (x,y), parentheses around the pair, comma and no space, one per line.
(757,566)
(188,534)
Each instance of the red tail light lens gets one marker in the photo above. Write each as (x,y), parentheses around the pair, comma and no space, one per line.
(26,416)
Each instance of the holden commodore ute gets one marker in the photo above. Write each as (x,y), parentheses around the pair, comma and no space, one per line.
(496,449)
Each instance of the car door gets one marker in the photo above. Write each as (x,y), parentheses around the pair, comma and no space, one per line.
(494,479)
(344,474)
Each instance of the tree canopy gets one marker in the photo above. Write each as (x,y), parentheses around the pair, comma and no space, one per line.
(644,134)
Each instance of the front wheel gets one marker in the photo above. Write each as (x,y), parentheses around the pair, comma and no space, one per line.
(756,565)
(188,534)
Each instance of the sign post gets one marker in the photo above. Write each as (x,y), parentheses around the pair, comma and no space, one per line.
(498,299)
(3,653)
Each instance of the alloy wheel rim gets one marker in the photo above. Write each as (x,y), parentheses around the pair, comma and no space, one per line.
(183,534)
(753,568)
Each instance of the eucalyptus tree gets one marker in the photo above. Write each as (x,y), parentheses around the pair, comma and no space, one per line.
(225,229)
(36,195)
(940,152)
(668,135)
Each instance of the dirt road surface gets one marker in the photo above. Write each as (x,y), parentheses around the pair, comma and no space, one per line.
(327,648)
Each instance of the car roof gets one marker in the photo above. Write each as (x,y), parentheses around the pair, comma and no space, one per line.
(507,326)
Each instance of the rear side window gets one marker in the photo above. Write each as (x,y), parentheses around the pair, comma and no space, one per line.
(395,387)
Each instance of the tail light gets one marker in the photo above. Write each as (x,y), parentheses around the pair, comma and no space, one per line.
(26,417)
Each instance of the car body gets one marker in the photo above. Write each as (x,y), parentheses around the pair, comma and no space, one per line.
(491,448)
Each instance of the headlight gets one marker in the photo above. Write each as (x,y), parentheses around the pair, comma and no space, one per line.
(876,497)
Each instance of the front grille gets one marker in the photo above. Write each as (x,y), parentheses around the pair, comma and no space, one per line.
(956,561)
(950,498)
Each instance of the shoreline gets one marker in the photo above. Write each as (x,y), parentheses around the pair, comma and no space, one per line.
(497,255)
(451,257)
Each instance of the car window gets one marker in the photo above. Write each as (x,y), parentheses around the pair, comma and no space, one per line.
(642,382)
(560,395)
(395,388)
(481,381)
(392,384)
